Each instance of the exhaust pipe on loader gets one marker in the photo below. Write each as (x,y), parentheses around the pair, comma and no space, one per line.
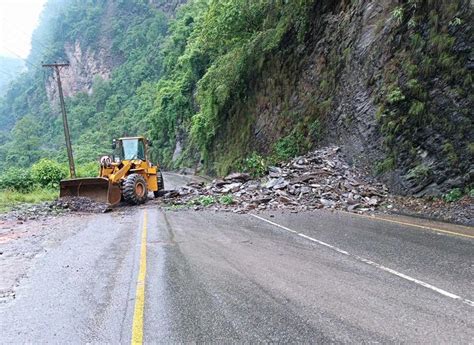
(99,189)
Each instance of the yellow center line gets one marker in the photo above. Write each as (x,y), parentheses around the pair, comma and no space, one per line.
(137,327)
(410,224)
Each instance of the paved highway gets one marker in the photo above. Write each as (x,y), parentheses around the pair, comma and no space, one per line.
(157,276)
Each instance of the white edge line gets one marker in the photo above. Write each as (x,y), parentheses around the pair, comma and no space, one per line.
(371,263)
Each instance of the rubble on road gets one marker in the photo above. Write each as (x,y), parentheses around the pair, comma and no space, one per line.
(25,212)
(81,204)
(55,208)
(320,179)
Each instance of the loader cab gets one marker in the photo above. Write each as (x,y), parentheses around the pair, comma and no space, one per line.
(130,148)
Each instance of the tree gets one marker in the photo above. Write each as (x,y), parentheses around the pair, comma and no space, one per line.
(25,148)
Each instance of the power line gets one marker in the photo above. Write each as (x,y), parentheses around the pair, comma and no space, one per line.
(44,46)
(9,74)
(18,56)
(35,39)
(49,50)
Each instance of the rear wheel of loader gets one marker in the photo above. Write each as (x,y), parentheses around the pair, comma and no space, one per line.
(161,186)
(135,190)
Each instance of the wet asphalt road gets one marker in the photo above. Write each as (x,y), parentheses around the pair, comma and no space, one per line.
(316,277)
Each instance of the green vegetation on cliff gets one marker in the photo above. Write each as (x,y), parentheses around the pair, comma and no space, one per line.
(30,124)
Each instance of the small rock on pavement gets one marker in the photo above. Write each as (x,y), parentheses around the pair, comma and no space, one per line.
(244,177)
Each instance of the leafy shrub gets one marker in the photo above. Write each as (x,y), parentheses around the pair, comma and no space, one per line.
(17,179)
(416,89)
(315,130)
(412,23)
(88,170)
(255,165)
(456,22)
(380,113)
(289,146)
(397,14)
(226,199)
(419,173)
(204,200)
(48,173)
(470,148)
(448,150)
(416,109)
(384,166)
(395,95)
(454,195)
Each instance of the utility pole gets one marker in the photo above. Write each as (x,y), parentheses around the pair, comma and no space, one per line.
(57,67)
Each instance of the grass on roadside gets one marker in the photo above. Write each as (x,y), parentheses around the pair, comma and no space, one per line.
(8,199)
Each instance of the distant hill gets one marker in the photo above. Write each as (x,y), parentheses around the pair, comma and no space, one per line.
(9,70)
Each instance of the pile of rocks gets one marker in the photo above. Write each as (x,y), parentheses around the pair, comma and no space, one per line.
(55,208)
(80,204)
(32,211)
(320,179)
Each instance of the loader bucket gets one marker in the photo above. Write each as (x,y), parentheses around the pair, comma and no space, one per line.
(98,189)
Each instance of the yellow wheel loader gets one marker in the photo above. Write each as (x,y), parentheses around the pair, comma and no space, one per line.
(128,175)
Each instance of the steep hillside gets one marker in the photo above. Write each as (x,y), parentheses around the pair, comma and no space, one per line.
(390,82)
(222,85)
(114,51)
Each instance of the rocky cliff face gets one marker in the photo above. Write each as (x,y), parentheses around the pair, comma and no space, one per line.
(389,81)
(88,63)
(85,66)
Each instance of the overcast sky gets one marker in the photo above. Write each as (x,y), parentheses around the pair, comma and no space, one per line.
(18,19)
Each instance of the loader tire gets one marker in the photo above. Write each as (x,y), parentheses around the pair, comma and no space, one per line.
(135,191)
(161,186)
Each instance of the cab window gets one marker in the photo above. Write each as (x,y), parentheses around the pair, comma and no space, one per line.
(133,149)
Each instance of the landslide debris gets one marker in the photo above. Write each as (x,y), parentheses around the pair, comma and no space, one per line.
(320,179)
(55,208)
(81,204)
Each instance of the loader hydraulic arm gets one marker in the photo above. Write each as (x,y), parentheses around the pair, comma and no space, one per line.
(115,178)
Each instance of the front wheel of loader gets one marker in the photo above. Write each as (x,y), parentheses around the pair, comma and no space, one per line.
(135,190)
(161,186)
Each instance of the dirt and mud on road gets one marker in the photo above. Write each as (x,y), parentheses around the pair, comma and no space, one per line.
(30,231)
(35,232)
(55,208)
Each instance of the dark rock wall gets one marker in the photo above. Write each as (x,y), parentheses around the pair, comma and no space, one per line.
(353,57)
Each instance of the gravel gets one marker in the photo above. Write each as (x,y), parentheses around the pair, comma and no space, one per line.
(55,208)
